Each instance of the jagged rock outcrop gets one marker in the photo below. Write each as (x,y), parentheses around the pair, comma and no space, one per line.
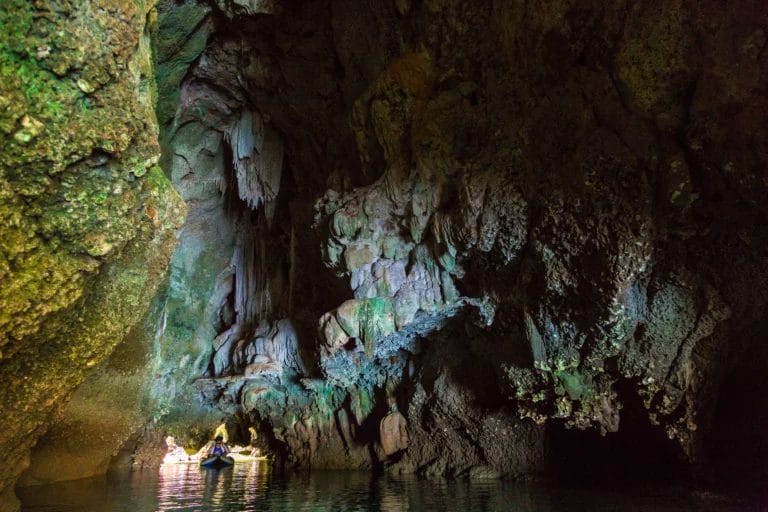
(503,218)
(88,218)
(542,194)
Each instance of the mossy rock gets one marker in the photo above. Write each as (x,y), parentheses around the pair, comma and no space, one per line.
(87,219)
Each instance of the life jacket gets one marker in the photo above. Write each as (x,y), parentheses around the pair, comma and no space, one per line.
(218,450)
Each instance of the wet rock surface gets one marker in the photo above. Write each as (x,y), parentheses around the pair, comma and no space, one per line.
(498,218)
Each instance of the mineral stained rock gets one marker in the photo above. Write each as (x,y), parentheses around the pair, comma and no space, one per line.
(393,433)
(87,218)
(496,215)
(501,218)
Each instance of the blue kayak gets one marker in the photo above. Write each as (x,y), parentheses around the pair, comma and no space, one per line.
(217,462)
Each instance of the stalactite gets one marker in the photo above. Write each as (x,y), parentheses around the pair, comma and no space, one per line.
(292,269)
(253,290)
(253,182)
(257,156)
(245,274)
(269,168)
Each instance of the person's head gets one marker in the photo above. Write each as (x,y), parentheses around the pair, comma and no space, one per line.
(219,439)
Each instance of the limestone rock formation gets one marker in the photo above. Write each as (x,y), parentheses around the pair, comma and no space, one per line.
(393,431)
(540,193)
(508,218)
(87,218)
(106,411)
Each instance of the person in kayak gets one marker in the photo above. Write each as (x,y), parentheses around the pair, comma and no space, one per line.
(218,448)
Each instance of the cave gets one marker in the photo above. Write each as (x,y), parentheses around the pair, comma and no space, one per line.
(473,242)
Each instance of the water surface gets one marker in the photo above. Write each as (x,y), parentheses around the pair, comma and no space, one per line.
(255,487)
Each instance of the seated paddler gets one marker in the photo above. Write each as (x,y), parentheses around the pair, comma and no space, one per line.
(218,448)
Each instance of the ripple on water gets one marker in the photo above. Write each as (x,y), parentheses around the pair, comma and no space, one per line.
(254,487)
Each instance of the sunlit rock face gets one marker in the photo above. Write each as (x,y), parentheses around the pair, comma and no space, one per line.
(486,217)
(87,218)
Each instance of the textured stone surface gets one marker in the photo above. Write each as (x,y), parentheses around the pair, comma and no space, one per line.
(504,218)
(521,215)
(87,219)
(102,415)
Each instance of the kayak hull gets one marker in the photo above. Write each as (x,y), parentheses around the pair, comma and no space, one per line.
(217,462)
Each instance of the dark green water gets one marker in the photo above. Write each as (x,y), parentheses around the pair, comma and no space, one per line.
(254,487)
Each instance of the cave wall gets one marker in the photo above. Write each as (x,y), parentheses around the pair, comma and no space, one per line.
(489,217)
(88,218)
(477,220)
(104,413)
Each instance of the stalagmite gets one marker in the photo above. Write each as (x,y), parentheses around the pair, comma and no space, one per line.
(393,430)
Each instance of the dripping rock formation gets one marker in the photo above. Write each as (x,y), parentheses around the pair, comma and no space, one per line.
(450,238)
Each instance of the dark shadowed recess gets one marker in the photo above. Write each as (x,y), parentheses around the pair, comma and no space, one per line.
(734,459)
(738,442)
(638,454)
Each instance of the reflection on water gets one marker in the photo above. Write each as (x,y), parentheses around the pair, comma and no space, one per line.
(253,487)
(187,487)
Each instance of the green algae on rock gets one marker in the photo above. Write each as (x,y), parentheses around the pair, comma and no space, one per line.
(88,219)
